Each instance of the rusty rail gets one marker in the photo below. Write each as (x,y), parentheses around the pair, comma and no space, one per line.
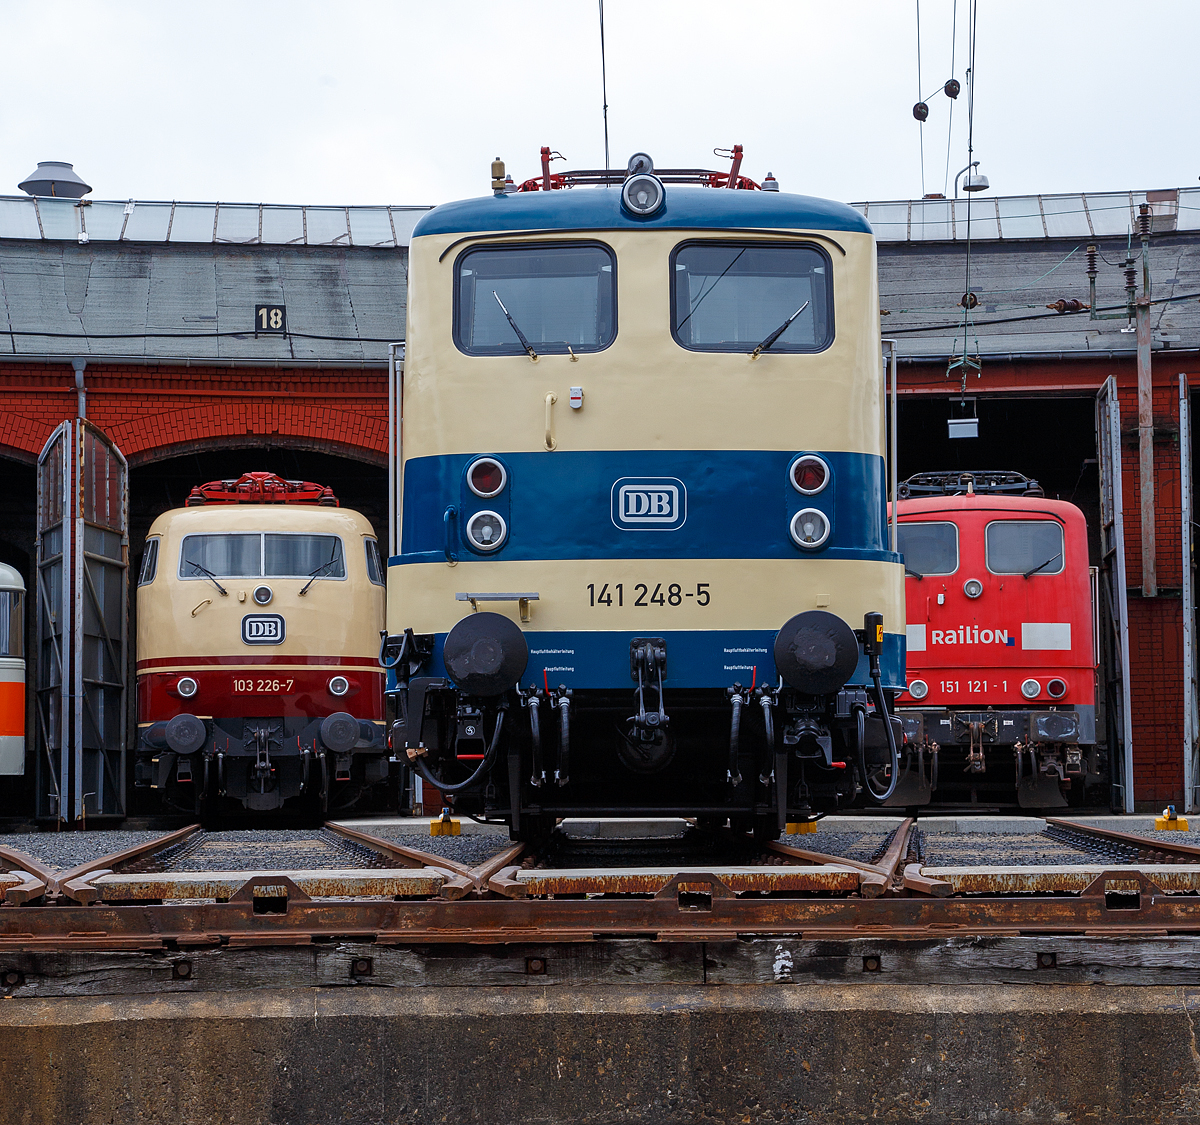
(1150,849)
(35,879)
(72,884)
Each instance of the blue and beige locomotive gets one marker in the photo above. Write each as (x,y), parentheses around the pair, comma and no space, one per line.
(643,562)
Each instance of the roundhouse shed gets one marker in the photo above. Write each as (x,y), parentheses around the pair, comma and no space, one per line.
(146,347)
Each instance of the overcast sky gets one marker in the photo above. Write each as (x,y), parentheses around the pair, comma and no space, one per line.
(408,101)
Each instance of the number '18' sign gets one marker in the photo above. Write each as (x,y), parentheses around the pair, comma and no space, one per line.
(270,318)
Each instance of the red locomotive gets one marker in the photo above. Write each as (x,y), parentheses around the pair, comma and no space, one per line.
(1001,696)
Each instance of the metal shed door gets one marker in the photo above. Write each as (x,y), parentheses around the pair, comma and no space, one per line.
(1191,705)
(52,679)
(1115,607)
(83,548)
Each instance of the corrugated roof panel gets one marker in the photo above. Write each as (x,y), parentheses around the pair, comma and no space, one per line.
(1110,214)
(148,222)
(404,219)
(888,220)
(1189,209)
(18,219)
(193,222)
(1065,216)
(283,225)
(932,220)
(982,213)
(103,220)
(327,226)
(1020,216)
(370,226)
(236,222)
(60,218)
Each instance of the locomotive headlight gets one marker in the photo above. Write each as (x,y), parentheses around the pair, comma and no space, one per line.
(809,474)
(263,595)
(486,530)
(809,528)
(339,685)
(1031,689)
(918,689)
(186,686)
(486,477)
(1056,689)
(972,587)
(643,194)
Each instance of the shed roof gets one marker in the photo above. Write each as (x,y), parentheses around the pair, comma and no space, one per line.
(173,302)
(239,224)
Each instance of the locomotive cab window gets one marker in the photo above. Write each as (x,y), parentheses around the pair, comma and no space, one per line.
(928,548)
(149,563)
(1025,547)
(262,555)
(558,297)
(734,296)
(374,566)
(12,623)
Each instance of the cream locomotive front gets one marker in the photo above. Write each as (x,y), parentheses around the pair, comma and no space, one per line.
(259,607)
(643,505)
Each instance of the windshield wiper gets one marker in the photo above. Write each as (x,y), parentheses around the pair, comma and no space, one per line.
(520,335)
(315,574)
(1042,566)
(915,573)
(207,574)
(778,331)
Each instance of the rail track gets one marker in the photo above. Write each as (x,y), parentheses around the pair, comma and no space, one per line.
(193,889)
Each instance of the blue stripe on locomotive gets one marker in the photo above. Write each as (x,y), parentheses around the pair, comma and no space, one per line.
(699,658)
(559,506)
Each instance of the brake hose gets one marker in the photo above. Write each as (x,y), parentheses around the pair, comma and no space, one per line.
(489,760)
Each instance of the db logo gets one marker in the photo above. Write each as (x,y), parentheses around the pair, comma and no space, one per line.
(262,629)
(649,503)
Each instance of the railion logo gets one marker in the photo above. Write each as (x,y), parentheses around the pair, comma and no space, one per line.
(262,629)
(649,503)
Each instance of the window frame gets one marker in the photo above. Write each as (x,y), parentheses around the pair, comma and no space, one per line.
(744,348)
(149,555)
(1062,554)
(262,552)
(901,524)
(368,543)
(552,244)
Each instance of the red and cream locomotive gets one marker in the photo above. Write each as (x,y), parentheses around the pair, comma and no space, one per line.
(258,607)
(1000,643)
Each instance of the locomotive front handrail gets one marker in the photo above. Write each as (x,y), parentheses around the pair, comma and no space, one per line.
(522,599)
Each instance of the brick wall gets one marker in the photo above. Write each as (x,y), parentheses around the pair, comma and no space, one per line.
(153,412)
(1155,624)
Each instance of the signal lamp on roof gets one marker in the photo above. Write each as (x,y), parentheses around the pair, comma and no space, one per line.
(643,194)
(486,477)
(809,474)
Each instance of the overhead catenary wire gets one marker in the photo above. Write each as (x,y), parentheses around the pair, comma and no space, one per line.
(604,86)
(950,126)
(920,98)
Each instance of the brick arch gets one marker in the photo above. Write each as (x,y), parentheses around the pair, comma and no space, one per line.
(317,428)
(16,453)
